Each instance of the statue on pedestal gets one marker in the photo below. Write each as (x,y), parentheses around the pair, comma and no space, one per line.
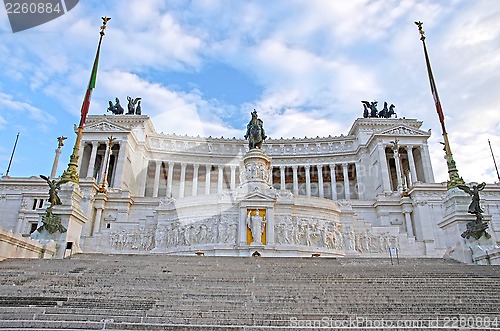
(132,106)
(256,225)
(370,110)
(116,109)
(255,132)
(51,222)
(475,228)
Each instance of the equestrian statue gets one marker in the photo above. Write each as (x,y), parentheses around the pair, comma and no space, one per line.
(255,132)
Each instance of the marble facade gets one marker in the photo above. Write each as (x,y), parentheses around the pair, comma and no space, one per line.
(171,194)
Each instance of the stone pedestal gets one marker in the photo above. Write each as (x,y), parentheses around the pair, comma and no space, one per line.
(456,217)
(256,171)
(72,218)
(484,251)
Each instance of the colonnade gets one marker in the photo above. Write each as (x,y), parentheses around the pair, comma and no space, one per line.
(406,165)
(180,179)
(330,181)
(401,167)
(92,159)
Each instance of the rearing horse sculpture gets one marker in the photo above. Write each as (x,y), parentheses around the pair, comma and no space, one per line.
(255,132)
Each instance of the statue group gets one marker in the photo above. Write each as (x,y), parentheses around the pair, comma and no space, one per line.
(370,110)
(133,107)
(255,132)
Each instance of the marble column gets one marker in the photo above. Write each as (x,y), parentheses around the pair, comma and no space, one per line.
(347,189)
(170,178)
(104,164)
(409,226)
(56,163)
(194,191)
(333,182)
(144,178)
(93,154)
(426,161)
(320,181)
(397,161)
(182,184)
(118,173)
(282,178)
(220,178)
(295,180)
(407,208)
(411,163)
(98,220)
(359,185)
(308,180)
(208,168)
(384,169)
(233,177)
(156,183)
(271,177)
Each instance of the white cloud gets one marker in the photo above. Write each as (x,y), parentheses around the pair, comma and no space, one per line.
(180,112)
(298,124)
(43,118)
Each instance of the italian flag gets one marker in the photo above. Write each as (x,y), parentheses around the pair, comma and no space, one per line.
(88,94)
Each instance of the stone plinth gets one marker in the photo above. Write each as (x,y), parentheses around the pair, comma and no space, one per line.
(72,218)
(256,171)
(454,223)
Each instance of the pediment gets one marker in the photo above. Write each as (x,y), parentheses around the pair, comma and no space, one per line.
(260,196)
(402,130)
(105,127)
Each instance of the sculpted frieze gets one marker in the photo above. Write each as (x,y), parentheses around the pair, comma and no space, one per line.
(403,131)
(213,230)
(140,239)
(369,242)
(104,126)
(309,232)
(255,171)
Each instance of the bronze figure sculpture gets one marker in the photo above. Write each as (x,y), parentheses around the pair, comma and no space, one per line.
(116,109)
(370,110)
(131,105)
(475,228)
(51,222)
(255,132)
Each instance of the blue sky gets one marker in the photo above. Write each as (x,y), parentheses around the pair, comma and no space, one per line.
(304,65)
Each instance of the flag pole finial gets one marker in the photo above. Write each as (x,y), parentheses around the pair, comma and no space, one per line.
(104,22)
(421,30)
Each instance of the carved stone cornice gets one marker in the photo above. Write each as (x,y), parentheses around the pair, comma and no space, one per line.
(127,122)
(380,124)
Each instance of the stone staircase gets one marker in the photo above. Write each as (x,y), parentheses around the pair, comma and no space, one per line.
(157,292)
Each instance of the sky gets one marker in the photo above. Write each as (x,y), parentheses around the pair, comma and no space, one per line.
(201,66)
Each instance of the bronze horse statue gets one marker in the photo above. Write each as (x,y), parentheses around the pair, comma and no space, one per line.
(255,132)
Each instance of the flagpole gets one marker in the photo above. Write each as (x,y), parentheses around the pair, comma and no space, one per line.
(454,177)
(12,156)
(71,173)
(494,161)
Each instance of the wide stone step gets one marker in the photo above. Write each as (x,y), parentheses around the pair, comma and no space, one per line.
(189,293)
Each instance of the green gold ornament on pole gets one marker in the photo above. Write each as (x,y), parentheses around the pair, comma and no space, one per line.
(71,174)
